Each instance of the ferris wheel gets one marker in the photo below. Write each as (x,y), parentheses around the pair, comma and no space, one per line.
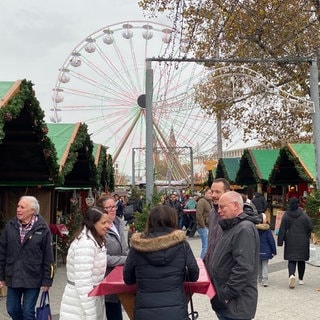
(102,83)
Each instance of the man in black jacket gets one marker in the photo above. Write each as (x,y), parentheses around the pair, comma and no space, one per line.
(260,202)
(235,261)
(174,203)
(26,259)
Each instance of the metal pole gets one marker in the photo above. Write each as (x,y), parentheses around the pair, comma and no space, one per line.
(133,169)
(219,138)
(149,133)
(191,170)
(314,92)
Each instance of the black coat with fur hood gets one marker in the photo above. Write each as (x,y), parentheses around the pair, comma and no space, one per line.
(156,263)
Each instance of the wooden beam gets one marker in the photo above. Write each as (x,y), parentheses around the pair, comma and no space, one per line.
(12,92)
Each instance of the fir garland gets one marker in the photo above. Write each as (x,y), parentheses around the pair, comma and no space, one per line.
(82,140)
(25,98)
(110,174)
(285,153)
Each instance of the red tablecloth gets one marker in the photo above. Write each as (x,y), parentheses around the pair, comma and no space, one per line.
(189,211)
(114,284)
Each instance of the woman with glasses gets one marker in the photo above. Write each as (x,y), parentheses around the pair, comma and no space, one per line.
(117,250)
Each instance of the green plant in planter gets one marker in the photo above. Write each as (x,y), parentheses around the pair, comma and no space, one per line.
(72,221)
(313,210)
(140,219)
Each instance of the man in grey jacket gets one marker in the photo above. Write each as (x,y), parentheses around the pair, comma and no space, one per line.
(235,261)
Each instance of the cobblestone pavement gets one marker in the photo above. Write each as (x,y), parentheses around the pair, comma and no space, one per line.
(275,302)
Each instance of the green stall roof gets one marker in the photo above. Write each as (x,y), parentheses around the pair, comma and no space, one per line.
(306,154)
(62,135)
(75,154)
(227,168)
(256,166)
(5,87)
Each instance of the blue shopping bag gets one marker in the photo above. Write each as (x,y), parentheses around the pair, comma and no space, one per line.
(43,312)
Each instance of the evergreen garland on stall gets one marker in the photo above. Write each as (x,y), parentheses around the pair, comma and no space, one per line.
(25,98)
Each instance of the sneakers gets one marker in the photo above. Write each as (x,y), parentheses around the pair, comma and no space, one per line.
(264,283)
(292,281)
(301,282)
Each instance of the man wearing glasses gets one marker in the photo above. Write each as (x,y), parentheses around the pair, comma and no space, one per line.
(235,261)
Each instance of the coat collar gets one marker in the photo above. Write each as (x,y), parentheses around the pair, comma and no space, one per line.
(156,242)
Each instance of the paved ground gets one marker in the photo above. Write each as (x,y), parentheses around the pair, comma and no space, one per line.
(275,302)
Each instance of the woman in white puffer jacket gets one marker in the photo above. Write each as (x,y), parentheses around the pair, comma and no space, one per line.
(86,267)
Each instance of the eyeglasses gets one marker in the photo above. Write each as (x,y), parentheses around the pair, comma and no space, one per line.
(225,205)
(110,208)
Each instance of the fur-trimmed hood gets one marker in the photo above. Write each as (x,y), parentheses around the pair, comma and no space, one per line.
(157,241)
(263,226)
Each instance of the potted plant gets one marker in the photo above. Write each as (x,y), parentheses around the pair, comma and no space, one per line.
(140,218)
(313,210)
(72,221)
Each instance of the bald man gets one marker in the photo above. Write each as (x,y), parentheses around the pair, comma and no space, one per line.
(235,261)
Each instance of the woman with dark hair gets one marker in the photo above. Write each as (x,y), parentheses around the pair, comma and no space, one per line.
(156,263)
(86,266)
(295,231)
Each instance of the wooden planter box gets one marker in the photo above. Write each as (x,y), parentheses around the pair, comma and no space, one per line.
(3,292)
(314,255)
(315,239)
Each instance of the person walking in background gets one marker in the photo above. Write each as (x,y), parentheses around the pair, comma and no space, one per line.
(260,203)
(203,210)
(156,263)
(235,263)
(117,251)
(267,250)
(191,203)
(26,259)
(218,188)
(86,267)
(295,232)
(176,205)
(119,205)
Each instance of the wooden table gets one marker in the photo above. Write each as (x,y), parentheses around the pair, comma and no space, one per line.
(114,284)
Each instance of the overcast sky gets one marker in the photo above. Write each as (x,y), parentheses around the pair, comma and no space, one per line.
(36,36)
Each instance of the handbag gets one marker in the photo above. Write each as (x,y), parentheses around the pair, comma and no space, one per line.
(43,312)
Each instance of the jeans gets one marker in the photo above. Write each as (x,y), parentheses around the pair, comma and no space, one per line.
(114,311)
(263,270)
(21,303)
(203,233)
(180,221)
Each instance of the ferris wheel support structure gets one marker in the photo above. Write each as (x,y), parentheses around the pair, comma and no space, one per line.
(314,90)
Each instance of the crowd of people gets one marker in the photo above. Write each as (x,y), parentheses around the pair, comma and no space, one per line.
(236,246)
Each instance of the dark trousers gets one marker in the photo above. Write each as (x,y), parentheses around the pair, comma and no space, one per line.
(113,310)
(301,268)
